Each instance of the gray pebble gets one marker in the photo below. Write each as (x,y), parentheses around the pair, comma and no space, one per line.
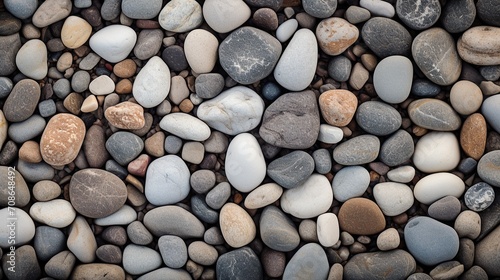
(386,37)
(48,242)
(322,161)
(89,61)
(82,4)
(22,9)
(8,153)
(467,165)
(319,9)
(458,15)
(475,273)
(148,43)
(355,14)
(489,73)
(109,253)
(434,114)
(378,118)
(173,144)
(80,81)
(202,180)
(110,9)
(466,252)
(6,86)
(393,265)
(241,263)
(209,85)
(217,197)
(447,270)
(479,196)
(418,15)
(424,88)
(61,265)
(310,262)
(23,131)
(55,45)
(339,68)
(213,236)
(488,168)
(201,210)
(139,234)
(273,4)
(22,101)
(124,146)
(62,88)
(489,12)
(397,149)
(271,91)
(141,9)
(175,58)
(115,168)
(445,209)
(9,46)
(277,231)
(419,276)
(173,251)
(358,150)
(116,235)
(292,169)
(47,108)
(27,266)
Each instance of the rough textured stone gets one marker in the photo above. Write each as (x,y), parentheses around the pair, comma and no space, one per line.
(378,118)
(358,150)
(434,114)
(335,35)
(338,106)
(126,115)
(396,264)
(478,45)
(9,46)
(386,37)
(98,271)
(236,225)
(292,169)
(489,12)
(418,15)
(241,264)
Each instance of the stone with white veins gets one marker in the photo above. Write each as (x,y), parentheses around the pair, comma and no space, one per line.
(393,78)
(328,229)
(393,198)
(185,126)
(438,185)
(113,43)
(428,156)
(152,84)
(167,180)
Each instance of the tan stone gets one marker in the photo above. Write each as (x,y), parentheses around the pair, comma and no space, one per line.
(126,115)
(338,106)
(124,87)
(359,76)
(62,139)
(154,145)
(236,225)
(75,32)
(473,136)
(480,45)
(335,35)
(186,106)
(90,104)
(73,102)
(98,271)
(361,216)
(125,68)
(30,152)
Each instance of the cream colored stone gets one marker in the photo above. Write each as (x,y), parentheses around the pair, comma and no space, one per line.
(75,32)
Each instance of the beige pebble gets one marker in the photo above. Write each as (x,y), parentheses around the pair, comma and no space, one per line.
(186,106)
(479,45)
(359,76)
(126,115)
(468,224)
(466,97)
(64,62)
(75,32)
(369,61)
(178,90)
(30,152)
(263,195)
(193,152)
(489,88)
(46,190)
(102,85)
(335,35)
(154,144)
(236,225)
(124,87)
(388,239)
(90,104)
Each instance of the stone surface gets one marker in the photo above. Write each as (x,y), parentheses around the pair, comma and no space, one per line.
(466,97)
(48,242)
(148,43)
(286,30)
(209,85)
(468,224)
(241,263)
(200,49)
(152,84)
(487,253)
(328,229)
(125,115)
(237,227)
(31,59)
(396,264)
(309,262)
(458,16)
(438,185)
(488,168)
(124,146)
(25,227)
(338,106)
(427,157)
(180,16)
(397,149)
(349,182)
(9,47)
(142,9)
(113,43)
(167,180)
(277,231)
(393,78)
(386,37)
(335,35)
(173,251)
(320,9)
(75,32)
(358,150)
(61,265)
(262,196)
(479,196)
(418,16)
(361,216)
(185,126)
(51,11)
(433,114)
(490,113)
(98,271)
(378,118)
(140,259)
(81,240)
(292,169)
(173,220)
(388,239)
(21,9)
(477,45)
(26,264)
(473,136)
(57,213)
(445,209)
(22,101)
(393,198)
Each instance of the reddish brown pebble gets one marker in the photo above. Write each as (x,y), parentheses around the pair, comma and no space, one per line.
(338,106)
(186,106)
(124,87)
(139,165)
(125,68)
(361,216)
(473,136)
(126,115)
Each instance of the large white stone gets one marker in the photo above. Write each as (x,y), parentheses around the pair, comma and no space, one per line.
(393,198)
(328,229)
(236,110)
(349,182)
(296,68)
(56,213)
(22,232)
(437,151)
(31,59)
(438,185)
(185,126)
(225,15)
(392,79)
(152,84)
(167,180)
(200,48)
(81,241)
(308,200)
(245,164)
(113,43)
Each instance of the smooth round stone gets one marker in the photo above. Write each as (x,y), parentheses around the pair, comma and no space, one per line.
(488,168)
(445,209)
(48,242)
(30,152)
(124,146)
(467,165)
(31,59)
(75,32)
(338,106)
(94,146)
(378,8)
(217,197)
(202,253)
(490,73)
(6,86)
(308,200)
(236,110)
(292,169)
(249,54)
(180,16)
(393,198)
(241,263)
(102,85)
(393,79)
(265,18)
(466,97)
(286,30)
(424,88)
(51,11)
(361,216)
(386,37)
(277,231)
(167,180)
(209,85)
(166,273)
(113,43)
(438,185)
(200,48)
(125,68)
(25,228)
(152,84)
(378,118)
(139,234)
(47,108)
(487,253)
(9,47)
(434,52)
(148,43)
(349,182)
(322,161)
(61,265)
(414,16)
(185,126)
(173,220)
(22,101)
(473,136)
(236,225)
(213,236)
(140,259)
(142,9)
(309,262)
(125,115)
(396,264)
(81,240)
(328,229)
(80,81)
(490,112)
(339,68)
(173,251)
(355,14)
(319,9)
(110,9)
(335,35)
(478,46)
(96,270)
(202,180)
(330,134)
(263,195)
(479,196)
(88,62)
(21,9)
(358,150)
(62,88)
(447,270)
(124,216)
(201,210)
(487,11)
(45,190)
(434,114)
(273,262)
(26,264)
(297,65)
(397,149)
(458,16)
(224,15)
(430,148)
(403,174)
(34,172)
(429,241)
(109,254)
(388,239)
(56,213)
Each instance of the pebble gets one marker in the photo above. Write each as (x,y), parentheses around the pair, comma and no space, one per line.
(277,231)
(262,196)
(125,115)
(466,97)
(445,71)
(81,240)
(286,30)
(173,251)
(152,84)
(273,262)
(167,180)
(487,256)
(49,213)
(361,216)
(393,198)
(202,180)
(292,169)
(113,43)
(488,168)
(392,79)
(44,190)
(173,220)
(96,270)
(378,8)
(477,45)
(51,11)
(22,101)
(217,197)
(414,16)
(62,88)
(10,24)
(378,118)
(109,254)
(236,225)
(490,73)
(140,259)
(138,233)
(358,150)
(236,110)
(224,15)
(297,65)
(26,264)
(94,146)
(397,149)
(479,196)
(209,85)
(75,32)
(338,106)
(388,239)
(30,152)
(241,263)
(124,69)
(148,43)
(102,85)
(339,68)
(80,81)
(201,210)
(141,9)
(396,264)
(322,161)
(468,224)
(6,86)
(458,16)
(438,185)
(445,209)
(299,108)
(474,273)
(21,9)
(434,114)
(180,16)
(330,134)
(356,14)
(175,58)
(429,241)
(308,200)
(447,270)
(25,228)
(213,236)
(124,216)
(124,147)
(200,49)
(309,262)
(48,242)
(9,47)
(265,18)
(308,230)
(473,136)
(31,59)
(430,147)
(185,126)
(61,265)
(335,35)
(490,113)
(386,37)
(202,253)
(328,229)
(349,182)
(166,273)
(34,172)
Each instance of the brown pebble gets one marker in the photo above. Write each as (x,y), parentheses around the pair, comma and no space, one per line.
(115,235)
(266,19)
(126,115)
(73,102)
(361,216)
(274,262)
(147,24)
(135,197)
(186,106)
(124,86)
(338,106)
(125,68)
(139,165)
(30,152)
(109,254)
(473,136)
(493,141)
(154,144)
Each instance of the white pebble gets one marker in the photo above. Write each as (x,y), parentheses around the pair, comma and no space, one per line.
(438,185)
(56,213)
(328,229)
(431,148)
(330,134)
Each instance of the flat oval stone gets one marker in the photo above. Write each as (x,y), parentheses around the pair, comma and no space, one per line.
(438,185)
(104,189)
(335,35)
(185,126)
(22,101)
(378,8)
(434,114)
(241,263)
(286,30)
(96,270)
(236,225)
(319,9)
(393,78)
(386,37)
(310,199)
(113,43)
(31,59)
(152,84)
(292,169)
(22,192)
(429,241)
(445,209)
(62,139)
(466,97)
(358,150)
(338,106)
(140,259)
(396,264)
(142,9)
(25,227)
(202,253)
(263,196)
(9,47)
(277,230)
(328,229)
(21,9)
(473,136)
(173,220)
(51,11)
(479,196)
(245,164)
(297,65)
(249,54)
(378,118)
(167,180)
(124,216)
(434,52)
(173,251)
(418,16)
(388,239)
(309,262)
(487,253)
(488,168)
(56,213)
(361,216)
(75,32)
(180,16)
(81,240)
(458,16)
(490,112)
(200,48)
(148,43)
(393,198)
(349,182)
(126,115)
(397,149)
(236,110)
(430,148)
(224,15)
(478,46)
(124,146)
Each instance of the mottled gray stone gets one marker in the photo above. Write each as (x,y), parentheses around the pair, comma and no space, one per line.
(47,108)
(488,253)
(80,81)
(6,86)
(217,197)
(490,111)
(239,264)
(445,209)
(397,149)
(22,9)
(60,265)
(8,24)
(62,88)
(386,37)
(424,88)
(202,180)
(9,46)
(22,101)
(458,15)
(447,270)
(479,196)
(358,150)
(467,165)
(490,73)
(89,61)
(48,242)
(434,114)
(466,252)
(26,264)
(173,220)
(339,68)
(209,85)
(273,4)
(292,169)
(322,161)
(309,262)
(141,9)
(378,118)
(124,146)
(488,168)
(110,9)
(34,172)
(418,15)
(277,230)
(148,43)
(201,210)
(474,273)
(489,12)
(138,233)
(355,14)
(109,254)
(173,144)
(319,9)
(390,265)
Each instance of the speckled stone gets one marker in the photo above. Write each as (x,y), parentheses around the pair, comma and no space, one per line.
(479,196)
(358,150)
(418,15)
(386,37)
(378,118)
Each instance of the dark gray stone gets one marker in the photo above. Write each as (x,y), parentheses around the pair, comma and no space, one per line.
(339,68)
(22,101)
(418,15)
(291,170)
(116,235)
(174,58)
(48,242)
(273,4)
(488,168)
(467,165)
(466,252)
(22,9)
(201,210)
(391,265)
(419,276)
(322,161)
(6,86)
(110,9)
(124,146)
(434,114)
(240,264)
(271,91)
(386,37)
(266,19)
(489,12)
(458,15)
(474,273)
(445,209)
(249,54)
(217,197)
(60,265)
(479,196)
(26,264)
(319,9)
(139,234)
(358,150)
(425,88)
(148,43)
(8,153)
(62,88)
(209,85)
(309,262)
(202,180)
(490,218)
(80,81)
(397,149)
(109,254)
(9,45)
(8,24)
(277,230)
(489,73)
(378,118)
(488,253)
(291,121)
